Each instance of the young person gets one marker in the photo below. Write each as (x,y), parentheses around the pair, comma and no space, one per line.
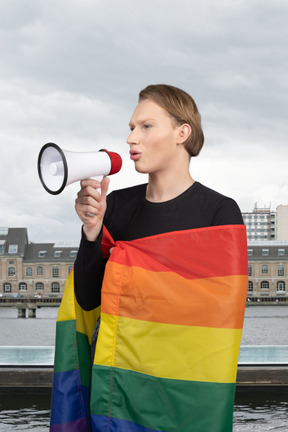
(161,275)
(165,133)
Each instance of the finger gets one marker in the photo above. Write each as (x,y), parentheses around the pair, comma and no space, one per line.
(86,204)
(88,194)
(104,187)
(90,182)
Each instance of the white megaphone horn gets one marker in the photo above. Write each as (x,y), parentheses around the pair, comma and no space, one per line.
(58,168)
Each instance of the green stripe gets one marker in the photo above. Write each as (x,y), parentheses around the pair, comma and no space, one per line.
(162,404)
(65,349)
(72,350)
(84,353)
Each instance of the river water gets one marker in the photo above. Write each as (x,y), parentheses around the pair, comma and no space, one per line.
(255,411)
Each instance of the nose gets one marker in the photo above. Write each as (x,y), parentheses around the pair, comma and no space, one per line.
(132,138)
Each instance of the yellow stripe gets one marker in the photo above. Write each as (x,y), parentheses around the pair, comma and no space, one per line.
(169,351)
(70,309)
(86,321)
(67,307)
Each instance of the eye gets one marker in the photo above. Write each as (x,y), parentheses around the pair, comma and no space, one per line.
(147,126)
(132,128)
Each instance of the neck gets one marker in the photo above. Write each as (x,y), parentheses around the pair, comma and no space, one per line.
(162,189)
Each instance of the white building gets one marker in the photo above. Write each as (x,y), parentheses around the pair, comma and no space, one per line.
(260,224)
(282,222)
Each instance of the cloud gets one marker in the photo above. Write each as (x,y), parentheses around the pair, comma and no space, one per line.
(71,72)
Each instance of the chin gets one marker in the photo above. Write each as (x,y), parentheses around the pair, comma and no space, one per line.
(141,170)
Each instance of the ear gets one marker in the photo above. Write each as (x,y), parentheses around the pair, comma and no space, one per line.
(184,131)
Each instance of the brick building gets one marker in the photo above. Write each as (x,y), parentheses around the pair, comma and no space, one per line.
(33,268)
(268,270)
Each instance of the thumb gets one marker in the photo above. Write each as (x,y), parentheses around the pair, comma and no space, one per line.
(104,187)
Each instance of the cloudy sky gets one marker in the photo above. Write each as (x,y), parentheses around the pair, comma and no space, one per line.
(71,71)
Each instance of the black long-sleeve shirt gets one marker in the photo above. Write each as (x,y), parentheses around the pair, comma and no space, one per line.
(130,216)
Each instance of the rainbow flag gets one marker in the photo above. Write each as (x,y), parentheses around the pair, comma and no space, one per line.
(166,357)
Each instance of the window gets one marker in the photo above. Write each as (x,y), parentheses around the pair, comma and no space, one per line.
(55,287)
(280,270)
(11,271)
(250,286)
(29,271)
(2,247)
(265,252)
(249,270)
(264,285)
(13,249)
(250,252)
(57,254)
(22,286)
(73,254)
(70,268)
(7,288)
(39,286)
(42,254)
(281,252)
(264,269)
(55,271)
(280,286)
(39,271)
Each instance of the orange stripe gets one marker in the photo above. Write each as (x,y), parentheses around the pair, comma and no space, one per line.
(189,253)
(169,298)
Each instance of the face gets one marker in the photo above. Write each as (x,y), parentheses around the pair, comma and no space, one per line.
(153,138)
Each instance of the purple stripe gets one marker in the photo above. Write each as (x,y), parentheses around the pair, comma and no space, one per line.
(103,423)
(75,426)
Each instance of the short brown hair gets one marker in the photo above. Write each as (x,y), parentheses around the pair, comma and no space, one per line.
(182,107)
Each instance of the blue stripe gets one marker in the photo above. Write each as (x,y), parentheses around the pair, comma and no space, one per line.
(70,400)
(103,423)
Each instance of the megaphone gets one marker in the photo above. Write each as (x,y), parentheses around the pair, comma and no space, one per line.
(58,168)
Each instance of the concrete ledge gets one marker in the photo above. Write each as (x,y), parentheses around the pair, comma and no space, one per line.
(268,375)
(42,377)
(27,377)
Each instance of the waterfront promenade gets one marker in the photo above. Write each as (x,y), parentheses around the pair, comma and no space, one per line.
(32,367)
(263,357)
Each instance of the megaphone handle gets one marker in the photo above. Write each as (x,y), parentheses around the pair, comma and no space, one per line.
(89,213)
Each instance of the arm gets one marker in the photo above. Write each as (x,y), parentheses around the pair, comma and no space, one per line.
(89,269)
(89,266)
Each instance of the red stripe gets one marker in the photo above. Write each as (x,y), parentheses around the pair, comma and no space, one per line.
(197,253)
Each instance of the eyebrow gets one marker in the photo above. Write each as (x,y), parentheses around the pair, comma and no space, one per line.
(141,122)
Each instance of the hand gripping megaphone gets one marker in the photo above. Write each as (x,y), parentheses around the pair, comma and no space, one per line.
(58,168)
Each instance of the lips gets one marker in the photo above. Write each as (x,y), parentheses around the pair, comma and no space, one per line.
(134,155)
